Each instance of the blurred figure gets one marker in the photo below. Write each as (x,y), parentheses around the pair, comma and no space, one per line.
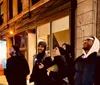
(17,67)
(67,48)
(60,61)
(88,64)
(41,62)
(70,61)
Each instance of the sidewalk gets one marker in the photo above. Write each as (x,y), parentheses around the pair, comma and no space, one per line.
(3,81)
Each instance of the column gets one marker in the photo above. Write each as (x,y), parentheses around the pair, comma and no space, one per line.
(15,7)
(5,10)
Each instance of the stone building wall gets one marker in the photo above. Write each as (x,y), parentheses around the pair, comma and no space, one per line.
(85,22)
(85,19)
(98,19)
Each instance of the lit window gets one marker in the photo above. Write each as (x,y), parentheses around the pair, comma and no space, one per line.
(10,9)
(1,13)
(35,1)
(19,6)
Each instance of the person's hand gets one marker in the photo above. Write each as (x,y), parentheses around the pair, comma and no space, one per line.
(41,66)
(48,72)
(28,77)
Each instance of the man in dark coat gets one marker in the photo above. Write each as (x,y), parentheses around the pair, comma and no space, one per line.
(17,67)
(88,64)
(41,63)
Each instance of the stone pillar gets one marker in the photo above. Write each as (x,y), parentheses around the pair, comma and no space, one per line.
(15,7)
(5,10)
(31,49)
(9,44)
(85,22)
(98,19)
(25,4)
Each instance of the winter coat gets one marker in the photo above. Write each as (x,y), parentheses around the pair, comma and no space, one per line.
(39,76)
(16,70)
(57,77)
(88,70)
(70,69)
(88,67)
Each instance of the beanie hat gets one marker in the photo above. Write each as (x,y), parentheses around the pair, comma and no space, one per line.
(62,51)
(43,44)
(16,48)
(68,48)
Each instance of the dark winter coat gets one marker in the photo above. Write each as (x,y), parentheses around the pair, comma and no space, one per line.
(70,67)
(88,70)
(39,76)
(17,70)
(58,76)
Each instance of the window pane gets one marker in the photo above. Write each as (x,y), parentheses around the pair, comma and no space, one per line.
(19,6)
(2,9)
(35,1)
(43,34)
(61,31)
(1,13)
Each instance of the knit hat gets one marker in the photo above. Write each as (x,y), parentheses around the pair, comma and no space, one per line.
(43,44)
(68,47)
(16,48)
(62,51)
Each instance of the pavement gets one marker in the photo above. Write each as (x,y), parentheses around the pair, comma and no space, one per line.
(3,81)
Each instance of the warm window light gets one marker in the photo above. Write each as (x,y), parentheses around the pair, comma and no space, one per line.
(11,32)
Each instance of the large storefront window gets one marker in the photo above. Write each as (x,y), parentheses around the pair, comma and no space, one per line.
(61,31)
(43,34)
(54,34)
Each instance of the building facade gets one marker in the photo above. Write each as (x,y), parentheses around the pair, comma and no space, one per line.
(26,22)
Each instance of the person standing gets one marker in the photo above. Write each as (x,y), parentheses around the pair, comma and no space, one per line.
(88,64)
(70,61)
(41,62)
(60,73)
(17,67)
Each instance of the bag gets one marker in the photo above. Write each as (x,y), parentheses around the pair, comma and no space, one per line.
(53,68)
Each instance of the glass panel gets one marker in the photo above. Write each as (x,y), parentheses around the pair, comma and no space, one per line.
(2,9)
(43,34)
(1,13)
(61,31)
(3,54)
(35,1)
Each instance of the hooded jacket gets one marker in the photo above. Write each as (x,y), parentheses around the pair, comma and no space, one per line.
(17,70)
(39,76)
(87,66)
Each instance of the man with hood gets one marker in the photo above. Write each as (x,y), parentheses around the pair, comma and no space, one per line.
(41,62)
(88,64)
(17,67)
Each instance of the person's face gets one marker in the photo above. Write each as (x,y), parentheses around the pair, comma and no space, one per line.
(56,52)
(40,49)
(87,44)
(11,51)
(64,47)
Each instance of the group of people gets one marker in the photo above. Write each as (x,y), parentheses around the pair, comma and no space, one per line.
(60,69)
